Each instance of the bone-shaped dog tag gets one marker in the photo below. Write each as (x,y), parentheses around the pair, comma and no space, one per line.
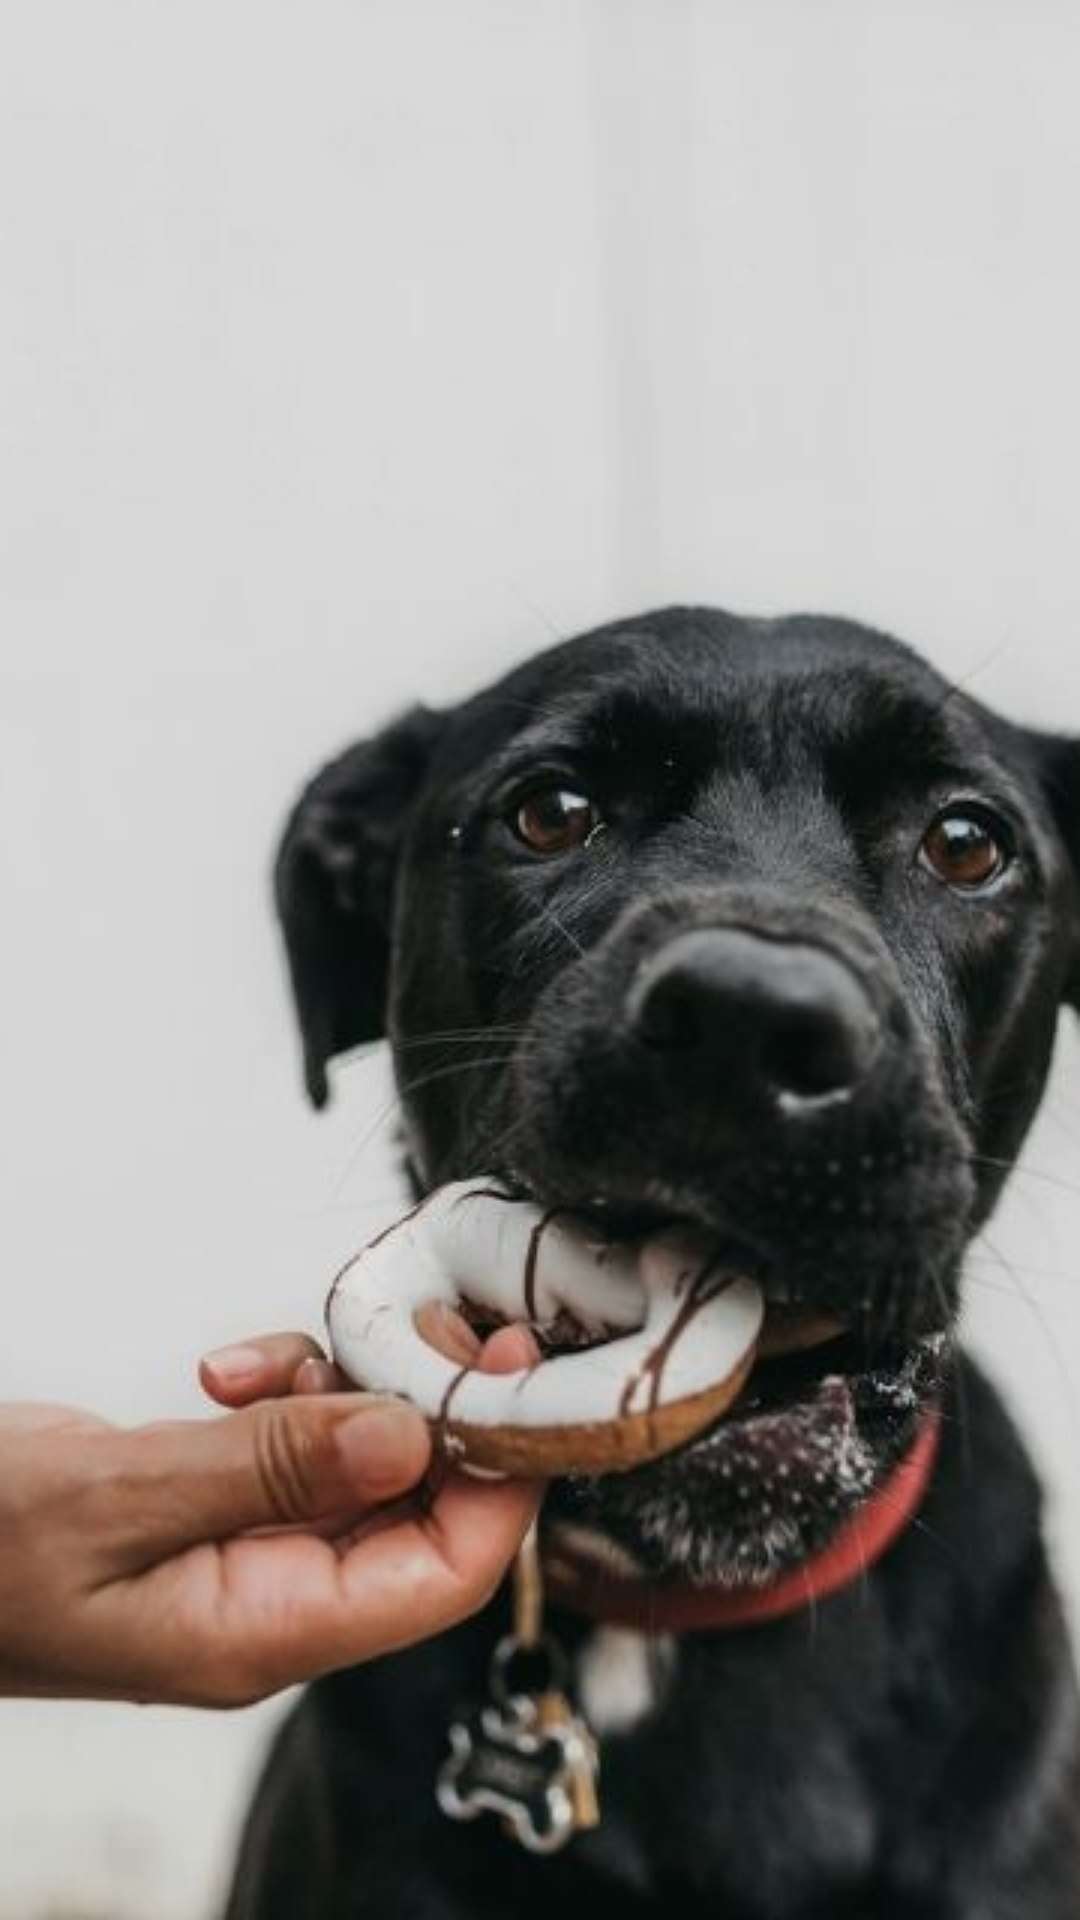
(501,1761)
(527,1755)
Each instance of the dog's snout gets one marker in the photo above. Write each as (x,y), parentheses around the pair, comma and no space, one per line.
(768,1018)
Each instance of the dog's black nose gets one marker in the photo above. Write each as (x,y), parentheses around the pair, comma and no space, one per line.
(774,1018)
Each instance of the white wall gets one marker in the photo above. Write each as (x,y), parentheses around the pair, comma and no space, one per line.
(347,351)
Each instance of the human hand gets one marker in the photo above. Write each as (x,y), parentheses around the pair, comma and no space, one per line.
(214,1562)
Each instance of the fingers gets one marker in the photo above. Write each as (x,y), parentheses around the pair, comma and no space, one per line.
(260,1369)
(39,1417)
(275,1364)
(192,1563)
(235,1556)
(288,1607)
(158,1584)
(509,1350)
(427,1573)
(284,1462)
(506,1351)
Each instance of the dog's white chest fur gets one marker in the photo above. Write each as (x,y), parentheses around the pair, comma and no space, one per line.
(622,1675)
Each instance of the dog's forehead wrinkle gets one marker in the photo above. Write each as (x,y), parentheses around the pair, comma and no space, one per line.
(739,768)
(705,681)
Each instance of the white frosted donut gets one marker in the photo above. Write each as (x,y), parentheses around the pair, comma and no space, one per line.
(678,1332)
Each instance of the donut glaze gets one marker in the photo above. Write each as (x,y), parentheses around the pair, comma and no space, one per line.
(672,1333)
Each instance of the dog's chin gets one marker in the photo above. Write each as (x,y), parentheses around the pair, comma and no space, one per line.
(768,1486)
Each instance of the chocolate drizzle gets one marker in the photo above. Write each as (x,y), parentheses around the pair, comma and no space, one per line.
(532,1259)
(485,1193)
(444,1408)
(705,1286)
(377,1242)
(334,1285)
(403,1222)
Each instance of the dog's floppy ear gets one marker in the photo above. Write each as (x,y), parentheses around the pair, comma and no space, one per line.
(1061,777)
(334,886)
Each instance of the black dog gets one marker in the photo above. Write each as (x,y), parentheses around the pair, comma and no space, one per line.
(763,926)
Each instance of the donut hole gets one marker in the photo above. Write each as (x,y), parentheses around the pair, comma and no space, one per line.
(484,1321)
(492,1346)
(564,1334)
(459,1332)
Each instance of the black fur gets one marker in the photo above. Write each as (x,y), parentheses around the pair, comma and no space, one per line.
(911,1749)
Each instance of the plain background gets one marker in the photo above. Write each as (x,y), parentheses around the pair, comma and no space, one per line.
(349,352)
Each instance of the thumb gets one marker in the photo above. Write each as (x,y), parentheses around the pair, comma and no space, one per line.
(279,1463)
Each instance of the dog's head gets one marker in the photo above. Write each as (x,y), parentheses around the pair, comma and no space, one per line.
(759,925)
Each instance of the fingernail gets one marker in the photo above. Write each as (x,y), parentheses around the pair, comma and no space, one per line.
(314,1376)
(375,1444)
(234,1363)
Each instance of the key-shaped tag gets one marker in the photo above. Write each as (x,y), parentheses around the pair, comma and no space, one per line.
(502,1761)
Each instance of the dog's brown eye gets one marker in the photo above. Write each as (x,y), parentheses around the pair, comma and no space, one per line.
(554,820)
(964,851)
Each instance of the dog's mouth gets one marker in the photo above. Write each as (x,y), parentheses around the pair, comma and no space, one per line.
(815,1430)
(813,1363)
(808,1362)
(797,1346)
(830,1404)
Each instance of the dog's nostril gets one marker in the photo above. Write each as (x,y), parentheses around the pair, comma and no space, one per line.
(809,1054)
(671,1014)
(762,1017)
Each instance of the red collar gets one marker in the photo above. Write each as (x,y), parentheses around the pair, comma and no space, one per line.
(670,1607)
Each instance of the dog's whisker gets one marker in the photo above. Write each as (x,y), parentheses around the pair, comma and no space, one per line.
(454,1035)
(963,1407)
(571,939)
(1018,1169)
(1066,1276)
(959,687)
(916,1520)
(492,1150)
(386,1113)
(1028,1299)
(986,1285)
(394,1106)
(448,1069)
(1068,1126)
(493,1147)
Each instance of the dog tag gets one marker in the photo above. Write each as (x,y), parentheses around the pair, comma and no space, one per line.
(502,1761)
(526,1755)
